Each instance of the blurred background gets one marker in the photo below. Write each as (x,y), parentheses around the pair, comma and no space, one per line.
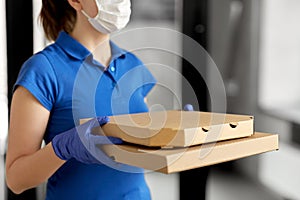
(255,45)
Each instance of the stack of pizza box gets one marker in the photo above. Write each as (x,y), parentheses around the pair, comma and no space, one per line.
(173,141)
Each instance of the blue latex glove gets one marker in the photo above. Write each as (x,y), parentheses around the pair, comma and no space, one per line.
(81,144)
(188,107)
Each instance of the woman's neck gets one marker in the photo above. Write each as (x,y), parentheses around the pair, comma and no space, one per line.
(97,43)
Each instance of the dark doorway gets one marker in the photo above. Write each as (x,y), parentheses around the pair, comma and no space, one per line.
(19,48)
(194,18)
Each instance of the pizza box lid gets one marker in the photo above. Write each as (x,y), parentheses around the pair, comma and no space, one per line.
(176,128)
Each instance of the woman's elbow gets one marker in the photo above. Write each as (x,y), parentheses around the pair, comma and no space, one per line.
(13,184)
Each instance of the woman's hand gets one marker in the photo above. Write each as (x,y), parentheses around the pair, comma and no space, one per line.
(188,107)
(81,144)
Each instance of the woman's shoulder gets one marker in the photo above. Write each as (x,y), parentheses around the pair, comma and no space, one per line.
(38,64)
(36,60)
(42,57)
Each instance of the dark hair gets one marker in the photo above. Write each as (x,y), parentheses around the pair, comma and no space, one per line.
(55,16)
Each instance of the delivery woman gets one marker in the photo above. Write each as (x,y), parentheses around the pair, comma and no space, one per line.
(82,74)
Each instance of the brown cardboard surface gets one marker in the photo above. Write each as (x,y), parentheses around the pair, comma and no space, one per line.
(180,159)
(177,128)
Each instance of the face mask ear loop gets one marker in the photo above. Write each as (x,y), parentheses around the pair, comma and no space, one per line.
(85,14)
(98,10)
(99,7)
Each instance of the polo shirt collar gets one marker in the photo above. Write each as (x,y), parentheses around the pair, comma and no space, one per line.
(77,50)
(72,46)
(116,51)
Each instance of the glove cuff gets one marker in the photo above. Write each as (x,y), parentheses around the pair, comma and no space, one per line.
(55,145)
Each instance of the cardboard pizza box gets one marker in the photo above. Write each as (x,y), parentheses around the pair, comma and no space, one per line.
(180,159)
(176,128)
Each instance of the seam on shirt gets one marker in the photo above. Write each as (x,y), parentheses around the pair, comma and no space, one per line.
(56,79)
(35,92)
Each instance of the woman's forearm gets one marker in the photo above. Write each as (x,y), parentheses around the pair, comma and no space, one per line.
(29,171)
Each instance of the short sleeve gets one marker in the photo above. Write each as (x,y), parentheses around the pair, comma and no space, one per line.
(38,77)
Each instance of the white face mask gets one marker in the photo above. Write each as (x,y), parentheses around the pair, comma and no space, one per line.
(113,15)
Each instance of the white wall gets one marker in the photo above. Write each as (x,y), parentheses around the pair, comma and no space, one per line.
(3,80)
(279,91)
(265,67)
(280,50)
(280,171)
(3,97)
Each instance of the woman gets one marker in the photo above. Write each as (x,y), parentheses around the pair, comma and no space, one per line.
(82,74)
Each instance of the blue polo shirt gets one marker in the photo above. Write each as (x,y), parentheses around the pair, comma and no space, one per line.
(71,84)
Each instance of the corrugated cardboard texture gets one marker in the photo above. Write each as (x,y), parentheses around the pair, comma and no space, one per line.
(177,128)
(181,159)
